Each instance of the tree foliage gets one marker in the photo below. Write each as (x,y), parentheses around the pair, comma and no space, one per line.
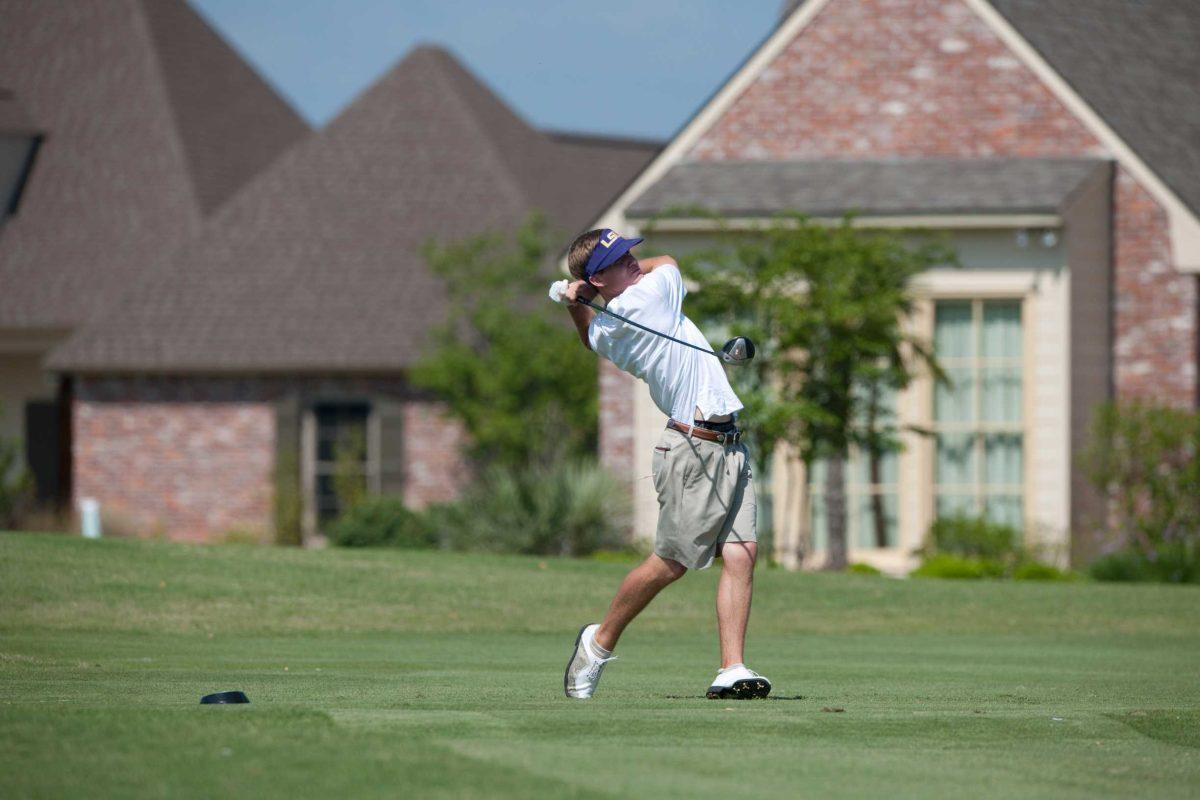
(826,305)
(506,361)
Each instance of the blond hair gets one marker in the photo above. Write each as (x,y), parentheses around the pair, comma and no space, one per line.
(580,251)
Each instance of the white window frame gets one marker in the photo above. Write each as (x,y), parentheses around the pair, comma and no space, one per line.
(855,493)
(978,429)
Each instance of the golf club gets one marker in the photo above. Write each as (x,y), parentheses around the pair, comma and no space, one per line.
(737,351)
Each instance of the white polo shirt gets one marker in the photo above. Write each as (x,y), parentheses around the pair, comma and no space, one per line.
(680,378)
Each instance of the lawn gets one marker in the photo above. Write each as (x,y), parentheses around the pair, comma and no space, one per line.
(402,674)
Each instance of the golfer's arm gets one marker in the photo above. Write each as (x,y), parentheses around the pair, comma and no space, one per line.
(581,315)
(648,265)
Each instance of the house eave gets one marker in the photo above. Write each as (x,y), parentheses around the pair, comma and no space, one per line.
(869,221)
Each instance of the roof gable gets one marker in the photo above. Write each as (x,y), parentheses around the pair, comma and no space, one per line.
(116,187)
(1152,100)
(229,121)
(1173,20)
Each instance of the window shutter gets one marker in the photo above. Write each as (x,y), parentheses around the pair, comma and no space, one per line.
(391,445)
(289,497)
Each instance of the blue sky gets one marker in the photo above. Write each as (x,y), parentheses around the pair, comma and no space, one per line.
(634,67)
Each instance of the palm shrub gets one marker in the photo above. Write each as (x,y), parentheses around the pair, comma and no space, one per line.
(571,508)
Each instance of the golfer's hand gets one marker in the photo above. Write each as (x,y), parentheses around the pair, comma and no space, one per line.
(579,290)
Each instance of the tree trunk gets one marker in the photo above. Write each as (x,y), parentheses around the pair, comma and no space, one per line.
(835,510)
(875,456)
(798,475)
(877,516)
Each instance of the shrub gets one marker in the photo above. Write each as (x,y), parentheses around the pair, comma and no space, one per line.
(953,566)
(571,509)
(974,547)
(1145,460)
(863,569)
(16,483)
(1176,563)
(973,536)
(382,521)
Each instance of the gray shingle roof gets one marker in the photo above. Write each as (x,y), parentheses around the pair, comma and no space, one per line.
(230,122)
(316,265)
(903,186)
(13,118)
(118,183)
(1135,62)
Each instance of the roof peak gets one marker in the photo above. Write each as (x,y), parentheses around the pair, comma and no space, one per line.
(230,121)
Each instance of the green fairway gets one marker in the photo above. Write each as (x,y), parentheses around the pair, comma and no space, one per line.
(399,674)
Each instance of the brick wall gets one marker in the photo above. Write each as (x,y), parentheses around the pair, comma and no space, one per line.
(927,78)
(616,420)
(1155,313)
(194,458)
(435,469)
(879,78)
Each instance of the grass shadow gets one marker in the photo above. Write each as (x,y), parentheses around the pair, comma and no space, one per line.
(702,697)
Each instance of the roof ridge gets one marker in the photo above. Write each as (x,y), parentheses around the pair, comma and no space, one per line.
(215,98)
(457,78)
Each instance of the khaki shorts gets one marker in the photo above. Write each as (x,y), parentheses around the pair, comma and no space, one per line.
(705,498)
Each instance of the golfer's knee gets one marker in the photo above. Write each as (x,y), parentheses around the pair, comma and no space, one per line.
(739,556)
(668,569)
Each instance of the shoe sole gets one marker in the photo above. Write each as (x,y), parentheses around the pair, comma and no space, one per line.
(745,689)
(571,660)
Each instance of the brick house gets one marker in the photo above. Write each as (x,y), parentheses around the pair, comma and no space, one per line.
(148,122)
(276,316)
(1056,143)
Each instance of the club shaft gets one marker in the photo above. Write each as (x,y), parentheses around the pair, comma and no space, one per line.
(627,321)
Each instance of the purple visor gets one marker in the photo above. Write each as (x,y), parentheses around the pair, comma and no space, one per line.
(608,251)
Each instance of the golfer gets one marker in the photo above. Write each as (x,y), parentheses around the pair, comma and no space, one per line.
(701,471)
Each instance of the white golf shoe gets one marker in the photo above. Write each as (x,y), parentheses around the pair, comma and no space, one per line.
(738,683)
(586,664)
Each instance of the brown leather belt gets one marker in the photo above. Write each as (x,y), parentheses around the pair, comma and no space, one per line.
(732,437)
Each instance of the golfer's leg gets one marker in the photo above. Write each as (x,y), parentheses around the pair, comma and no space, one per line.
(637,590)
(734,590)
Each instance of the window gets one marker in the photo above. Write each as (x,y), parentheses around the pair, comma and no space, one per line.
(867,499)
(341,441)
(977,419)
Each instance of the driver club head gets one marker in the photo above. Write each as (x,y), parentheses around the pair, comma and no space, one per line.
(738,350)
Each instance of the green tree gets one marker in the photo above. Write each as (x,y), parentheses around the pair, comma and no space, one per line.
(826,306)
(506,361)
